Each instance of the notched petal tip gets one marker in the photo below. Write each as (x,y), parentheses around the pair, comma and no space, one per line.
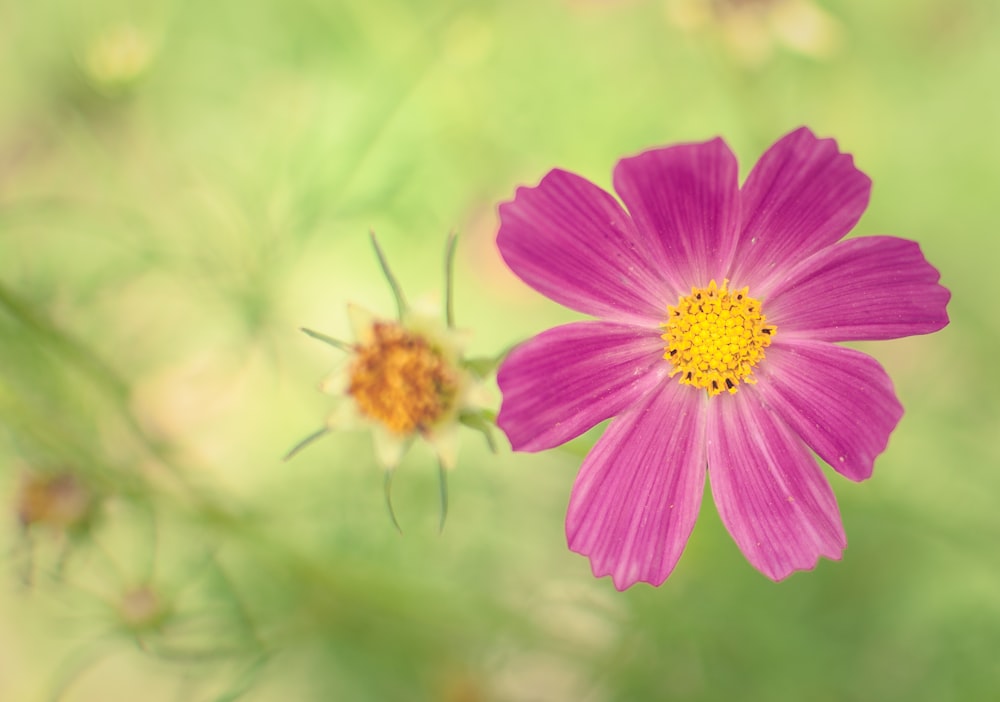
(866,288)
(801,196)
(639,490)
(805,566)
(778,562)
(840,401)
(769,492)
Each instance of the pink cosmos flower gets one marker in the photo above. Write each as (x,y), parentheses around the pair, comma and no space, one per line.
(718,307)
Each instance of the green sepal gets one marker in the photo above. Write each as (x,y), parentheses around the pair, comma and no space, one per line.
(449,279)
(482,421)
(397,291)
(484,366)
(442,494)
(308,441)
(387,489)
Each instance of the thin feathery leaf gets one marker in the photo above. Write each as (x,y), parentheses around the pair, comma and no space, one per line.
(397,292)
(319,336)
(315,436)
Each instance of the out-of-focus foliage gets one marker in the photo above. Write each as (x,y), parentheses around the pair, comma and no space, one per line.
(183,185)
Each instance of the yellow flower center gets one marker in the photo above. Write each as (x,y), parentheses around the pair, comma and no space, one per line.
(715,336)
(401,380)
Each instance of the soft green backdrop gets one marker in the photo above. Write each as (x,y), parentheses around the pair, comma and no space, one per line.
(183,185)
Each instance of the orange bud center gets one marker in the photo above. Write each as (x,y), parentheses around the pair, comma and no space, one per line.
(402,381)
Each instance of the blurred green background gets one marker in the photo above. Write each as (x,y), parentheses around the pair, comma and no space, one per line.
(183,185)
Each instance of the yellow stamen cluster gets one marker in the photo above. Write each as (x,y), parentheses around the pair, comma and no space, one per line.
(401,380)
(715,336)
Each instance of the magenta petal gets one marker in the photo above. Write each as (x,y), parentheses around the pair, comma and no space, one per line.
(573,243)
(770,493)
(567,379)
(874,287)
(802,196)
(840,401)
(686,196)
(637,496)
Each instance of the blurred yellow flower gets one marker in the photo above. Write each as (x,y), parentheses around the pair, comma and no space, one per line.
(117,57)
(751,29)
